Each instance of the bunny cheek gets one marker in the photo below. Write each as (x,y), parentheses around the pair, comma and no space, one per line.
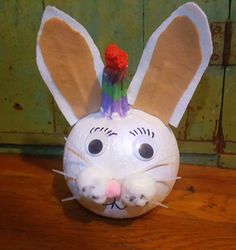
(138,190)
(92,185)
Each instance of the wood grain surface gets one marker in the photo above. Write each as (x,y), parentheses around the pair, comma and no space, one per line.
(201,214)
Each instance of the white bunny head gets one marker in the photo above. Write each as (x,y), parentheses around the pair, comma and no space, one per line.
(123,160)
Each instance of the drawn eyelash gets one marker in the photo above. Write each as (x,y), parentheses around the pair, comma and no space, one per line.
(112,134)
(135,132)
(106,131)
(142,131)
(132,133)
(91,130)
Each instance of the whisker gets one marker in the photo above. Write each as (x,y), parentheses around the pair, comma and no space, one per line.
(91,130)
(164,183)
(165,158)
(79,155)
(160,204)
(69,199)
(97,128)
(169,179)
(132,133)
(158,163)
(156,166)
(83,158)
(63,173)
(65,138)
(153,134)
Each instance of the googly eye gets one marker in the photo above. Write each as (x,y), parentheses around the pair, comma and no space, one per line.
(96,143)
(146,151)
(144,148)
(95,146)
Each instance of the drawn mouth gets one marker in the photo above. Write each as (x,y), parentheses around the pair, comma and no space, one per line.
(114,204)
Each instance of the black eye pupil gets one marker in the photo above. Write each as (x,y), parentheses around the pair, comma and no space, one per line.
(146,151)
(95,146)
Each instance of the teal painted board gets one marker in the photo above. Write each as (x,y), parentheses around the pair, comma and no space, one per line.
(199,127)
(202,116)
(46,139)
(229,112)
(227,146)
(117,21)
(232,57)
(233,11)
(204,109)
(25,104)
(216,10)
(27,109)
(227,160)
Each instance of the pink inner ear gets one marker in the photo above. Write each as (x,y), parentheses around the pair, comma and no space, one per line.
(113,189)
(175,60)
(71,66)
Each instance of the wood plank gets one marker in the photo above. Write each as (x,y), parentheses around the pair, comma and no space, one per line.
(32,150)
(229,110)
(25,104)
(216,11)
(228,136)
(227,160)
(108,25)
(200,216)
(199,159)
(33,139)
(233,11)
(232,58)
(204,109)
(227,156)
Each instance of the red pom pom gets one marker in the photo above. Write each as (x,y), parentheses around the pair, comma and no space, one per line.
(116,58)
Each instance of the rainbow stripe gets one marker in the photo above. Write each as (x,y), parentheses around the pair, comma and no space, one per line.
(114,93)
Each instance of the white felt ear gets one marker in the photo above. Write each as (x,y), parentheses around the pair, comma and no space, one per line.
(172,64)
(70,64)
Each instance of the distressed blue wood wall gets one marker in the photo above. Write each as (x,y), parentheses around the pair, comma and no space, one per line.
(31,121)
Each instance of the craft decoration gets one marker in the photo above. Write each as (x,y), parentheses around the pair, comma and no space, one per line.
(121,158)
(114,88)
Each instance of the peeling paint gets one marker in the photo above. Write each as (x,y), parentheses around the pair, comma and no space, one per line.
(18,107)
(218,138)
(199,107)
(215,136)
(217,31)
(186,126)
(222,142)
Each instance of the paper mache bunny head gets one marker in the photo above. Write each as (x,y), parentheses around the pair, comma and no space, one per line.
(121,158)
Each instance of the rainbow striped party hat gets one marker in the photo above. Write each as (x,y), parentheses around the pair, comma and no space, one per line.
(114,85)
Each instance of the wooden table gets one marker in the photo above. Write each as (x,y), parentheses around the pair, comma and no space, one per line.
(201,213)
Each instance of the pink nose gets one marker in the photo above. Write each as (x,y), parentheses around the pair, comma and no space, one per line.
(113,189)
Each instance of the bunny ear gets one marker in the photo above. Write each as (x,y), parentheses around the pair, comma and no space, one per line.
(172,65)
(70,64)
